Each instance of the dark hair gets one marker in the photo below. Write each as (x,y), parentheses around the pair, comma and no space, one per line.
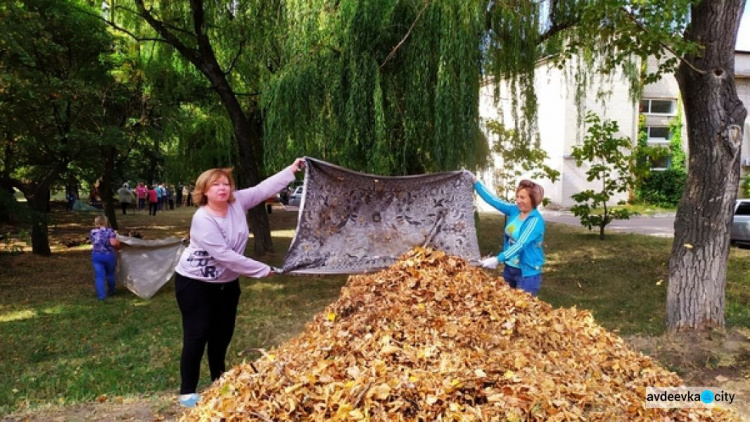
(535,191)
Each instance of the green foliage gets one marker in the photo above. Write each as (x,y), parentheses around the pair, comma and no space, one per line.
(644,154)
(518,157)
(388,87)
(610,165)
(55,85)
(745,185)
(676,149)
(53,62)
(663,188)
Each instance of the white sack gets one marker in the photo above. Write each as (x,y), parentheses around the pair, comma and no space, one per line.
(144,266)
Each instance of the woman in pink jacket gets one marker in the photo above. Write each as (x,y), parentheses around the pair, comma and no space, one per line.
(153,200)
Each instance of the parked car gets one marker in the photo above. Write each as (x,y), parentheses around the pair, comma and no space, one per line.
(296,197)
(741,222)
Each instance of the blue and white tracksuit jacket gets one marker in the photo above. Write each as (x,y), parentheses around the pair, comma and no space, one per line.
(528,247)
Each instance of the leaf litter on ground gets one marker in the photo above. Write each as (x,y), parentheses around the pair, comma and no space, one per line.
(434,339)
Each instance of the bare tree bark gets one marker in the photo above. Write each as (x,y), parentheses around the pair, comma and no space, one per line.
(715,115)
(39,202)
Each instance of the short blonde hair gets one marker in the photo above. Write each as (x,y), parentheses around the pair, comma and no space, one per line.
(206,179)
(535,191)
(101,220)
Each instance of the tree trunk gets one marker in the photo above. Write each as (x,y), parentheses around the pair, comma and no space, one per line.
(105,188)
(715,115)
(248,133)
(257,217)
(250,142)
(39,202)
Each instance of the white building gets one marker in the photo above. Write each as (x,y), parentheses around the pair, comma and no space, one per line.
(559,129)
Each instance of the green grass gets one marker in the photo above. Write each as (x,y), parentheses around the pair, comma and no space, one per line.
(622,279)
(59,345)
(640,208)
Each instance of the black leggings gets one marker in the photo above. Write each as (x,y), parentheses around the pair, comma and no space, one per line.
(208,312)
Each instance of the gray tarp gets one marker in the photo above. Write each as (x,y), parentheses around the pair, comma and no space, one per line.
(144,266)
(80,206)
(352,222)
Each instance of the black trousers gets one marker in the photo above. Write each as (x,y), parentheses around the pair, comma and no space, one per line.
(208,312)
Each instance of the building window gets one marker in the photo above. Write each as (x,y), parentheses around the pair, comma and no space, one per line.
(664,107)
(658,135)
(660,163)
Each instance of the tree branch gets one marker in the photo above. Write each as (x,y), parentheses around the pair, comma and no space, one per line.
(640,26)
(236,57)
(169,38)
(198,20)
(121,29)
(403,40)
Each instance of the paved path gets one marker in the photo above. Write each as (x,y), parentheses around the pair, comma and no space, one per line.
(660,226)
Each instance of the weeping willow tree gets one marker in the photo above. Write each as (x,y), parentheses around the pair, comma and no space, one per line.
(389,87)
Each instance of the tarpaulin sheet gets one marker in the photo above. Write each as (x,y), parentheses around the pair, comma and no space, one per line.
(144,266)
(352,222)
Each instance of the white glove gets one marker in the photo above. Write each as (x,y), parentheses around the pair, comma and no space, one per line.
(490,263)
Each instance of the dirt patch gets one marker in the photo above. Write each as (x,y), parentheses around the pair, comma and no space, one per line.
(157,408)
(706,359)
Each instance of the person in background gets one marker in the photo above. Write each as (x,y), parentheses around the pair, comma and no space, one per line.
(207,275)
(126,195)
(190,195)
(142,192)
(94,196)
(170,196)
(153,200)
(523,254)
(104,247)
(178,194)
(160,196)
(71,200)
(186,195)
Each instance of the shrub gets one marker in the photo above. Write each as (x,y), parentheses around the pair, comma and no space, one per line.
(663,188)
(745,184)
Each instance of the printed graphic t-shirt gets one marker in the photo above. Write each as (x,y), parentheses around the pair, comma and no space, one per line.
(513,231)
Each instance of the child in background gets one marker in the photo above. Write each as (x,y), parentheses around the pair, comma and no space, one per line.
(104,246)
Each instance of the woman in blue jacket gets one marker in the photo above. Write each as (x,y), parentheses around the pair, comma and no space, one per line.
(522,253)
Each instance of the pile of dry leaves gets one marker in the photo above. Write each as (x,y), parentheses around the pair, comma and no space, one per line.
(432,338)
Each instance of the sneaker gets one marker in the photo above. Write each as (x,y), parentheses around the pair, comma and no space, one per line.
(189,400)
